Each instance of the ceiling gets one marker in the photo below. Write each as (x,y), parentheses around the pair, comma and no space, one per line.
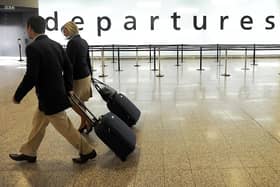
(20,3)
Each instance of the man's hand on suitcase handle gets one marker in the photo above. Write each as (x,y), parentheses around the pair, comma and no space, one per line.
(71,93)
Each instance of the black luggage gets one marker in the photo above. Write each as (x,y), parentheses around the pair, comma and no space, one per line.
(118,103)
(111,130)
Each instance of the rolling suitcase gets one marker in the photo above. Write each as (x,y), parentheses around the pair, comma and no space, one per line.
(118,103)
(111,130)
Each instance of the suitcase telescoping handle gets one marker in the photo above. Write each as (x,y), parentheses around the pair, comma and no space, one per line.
(103,89)
(76,100)
(95,83)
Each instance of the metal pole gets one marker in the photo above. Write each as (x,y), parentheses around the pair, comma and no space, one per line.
(200,61)
(136,65)
(254,55)
(19,47)
(20,59)
(150,53)
(113,53)
(155,68)
(119,60)
(159,74)
(104,56)
(226,74)
(182,53)
(245,64)
(177,64)
(102,64)
(217,56)
(91,60)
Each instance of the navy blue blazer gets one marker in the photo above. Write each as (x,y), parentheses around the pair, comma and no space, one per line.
(50,71)
(77,51)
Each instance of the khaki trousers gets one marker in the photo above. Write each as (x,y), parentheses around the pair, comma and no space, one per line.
(62,124)
(82,88)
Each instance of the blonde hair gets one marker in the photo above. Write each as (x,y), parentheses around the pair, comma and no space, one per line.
(71,27)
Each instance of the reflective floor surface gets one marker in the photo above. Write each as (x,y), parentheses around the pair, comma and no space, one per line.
(197,128)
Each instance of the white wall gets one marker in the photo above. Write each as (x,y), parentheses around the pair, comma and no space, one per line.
(164,33)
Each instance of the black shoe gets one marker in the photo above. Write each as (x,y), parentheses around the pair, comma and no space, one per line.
(22,157)
(84,158)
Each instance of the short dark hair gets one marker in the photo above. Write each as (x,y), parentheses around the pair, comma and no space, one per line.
(37,24)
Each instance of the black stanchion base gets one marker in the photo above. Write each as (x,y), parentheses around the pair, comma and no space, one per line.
(245,68)
(20,60)
(226,75)
(254,64)
(102,75)
(200,69)
(154,69)
(137,65)
(159,75)
(177,65)
(119,70)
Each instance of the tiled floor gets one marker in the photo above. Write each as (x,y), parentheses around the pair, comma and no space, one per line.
(196,129)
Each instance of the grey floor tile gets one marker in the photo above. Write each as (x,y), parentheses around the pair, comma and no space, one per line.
(196,129)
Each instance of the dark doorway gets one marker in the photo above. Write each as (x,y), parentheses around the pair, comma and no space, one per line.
(12,28)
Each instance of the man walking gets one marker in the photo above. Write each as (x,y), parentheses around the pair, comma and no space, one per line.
(50,71)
